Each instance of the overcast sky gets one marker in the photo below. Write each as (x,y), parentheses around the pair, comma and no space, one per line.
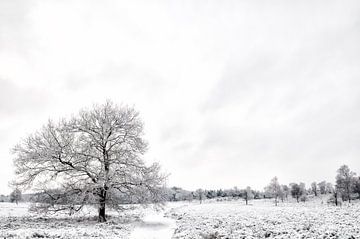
(232,93)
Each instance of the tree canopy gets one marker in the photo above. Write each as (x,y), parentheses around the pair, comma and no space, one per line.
(95,157)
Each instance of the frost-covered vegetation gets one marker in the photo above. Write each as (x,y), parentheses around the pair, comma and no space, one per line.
(217,218)
(235,219)
(16,221)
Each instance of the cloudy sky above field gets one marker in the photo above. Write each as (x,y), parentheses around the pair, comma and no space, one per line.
(231,92)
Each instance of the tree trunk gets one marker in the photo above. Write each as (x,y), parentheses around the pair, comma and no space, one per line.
(103,191)
(336,198)
(102,206)
(102,217)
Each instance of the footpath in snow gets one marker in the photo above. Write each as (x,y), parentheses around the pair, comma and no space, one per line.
(154,226)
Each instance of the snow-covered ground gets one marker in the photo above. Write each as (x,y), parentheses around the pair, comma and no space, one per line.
(155,225)
(263,220)
(17,222)
(210,220)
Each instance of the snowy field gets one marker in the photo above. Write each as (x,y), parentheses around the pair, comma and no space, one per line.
(17,222)
(210,220)
(263,220)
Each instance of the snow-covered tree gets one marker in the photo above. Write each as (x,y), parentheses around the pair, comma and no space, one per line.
(345,181)
(248,195)
(178,194)
(200,195)
(322,187)
(297,190)
(210,194)
(356,186)
(274,189)
(92,158)
(314,188)
(285,192)
(15,196)
(329,188)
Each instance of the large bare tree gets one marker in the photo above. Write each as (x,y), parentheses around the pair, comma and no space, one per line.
(92,158)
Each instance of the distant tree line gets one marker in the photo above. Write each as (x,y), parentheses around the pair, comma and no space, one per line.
(179,194)
(346,188)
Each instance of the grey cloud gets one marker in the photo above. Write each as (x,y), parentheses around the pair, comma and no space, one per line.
(15,99)
(13,24)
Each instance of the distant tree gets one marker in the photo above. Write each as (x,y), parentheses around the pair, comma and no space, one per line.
(15,196)
(228,192)
(257,194)
(356,187)
(322,187)
(297,190)
(329,188)
(172,192)
(248,194)
(95,158)
(314,188)
(274,189)
(335,195)
(200,194)
(236,192)
(220,193)
(344,181)
(210,194)
(285,192)
(178,194)
(303,187)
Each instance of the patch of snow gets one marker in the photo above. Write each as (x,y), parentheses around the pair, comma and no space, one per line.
(155,225)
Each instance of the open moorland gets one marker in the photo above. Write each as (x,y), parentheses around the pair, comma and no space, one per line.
(211,219)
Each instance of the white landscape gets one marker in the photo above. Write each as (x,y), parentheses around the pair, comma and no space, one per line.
(180,119)
(229,218)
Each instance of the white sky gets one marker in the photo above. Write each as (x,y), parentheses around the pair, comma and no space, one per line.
(232,93)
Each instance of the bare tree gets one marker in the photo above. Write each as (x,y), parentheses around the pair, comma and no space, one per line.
(297,190)
(248,195)
(335,196)
(200,194)
(345,181)
(15,196)
(285,192)
(329,188)
(314,188)
(236,192)
(322,187)
(356,188)
(92,158)
(274,189)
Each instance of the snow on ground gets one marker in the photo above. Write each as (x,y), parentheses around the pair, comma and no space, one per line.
(264,220)
(210,220)
(154,226)
(17,222)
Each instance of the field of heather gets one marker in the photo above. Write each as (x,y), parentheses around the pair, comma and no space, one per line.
(209,220)
(262,219)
